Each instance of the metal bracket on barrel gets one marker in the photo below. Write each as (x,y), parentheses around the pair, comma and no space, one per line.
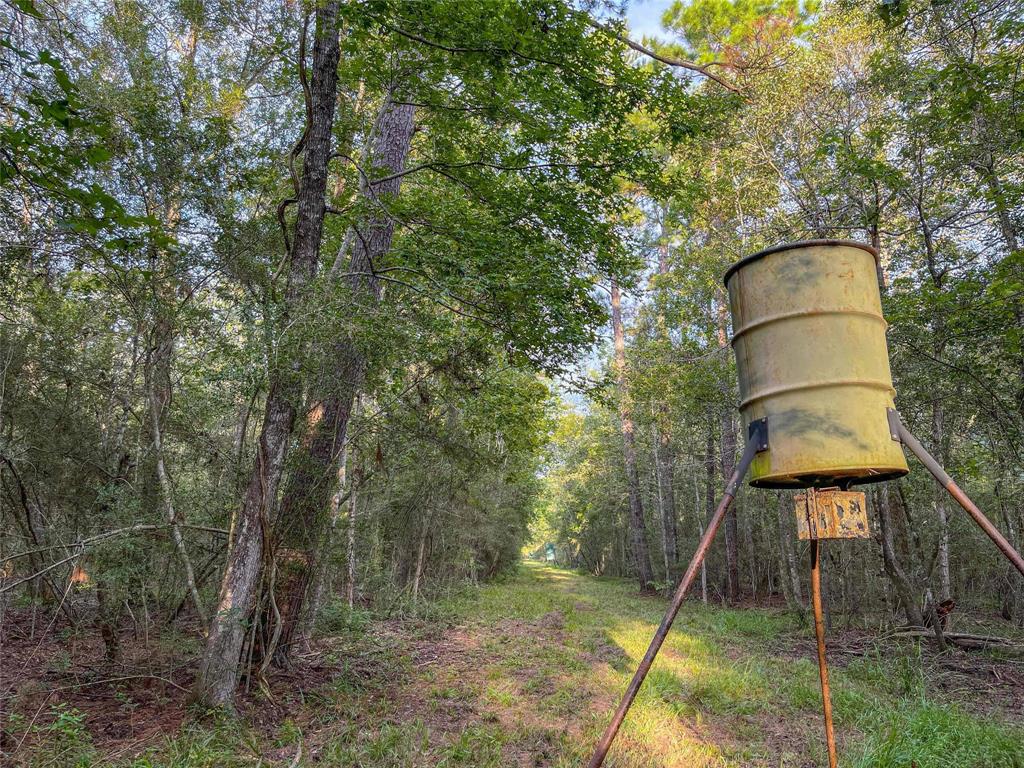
(757,433)
(757,437)
(893,417)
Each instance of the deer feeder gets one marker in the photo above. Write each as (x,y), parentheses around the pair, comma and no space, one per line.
(816,398)
(811,357)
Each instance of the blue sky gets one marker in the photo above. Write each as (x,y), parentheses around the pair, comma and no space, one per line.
(644,16)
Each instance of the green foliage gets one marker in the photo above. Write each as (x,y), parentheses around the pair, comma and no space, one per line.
(929,735)
(64,740)
(335,618)
(146,256)
(51,146)
(733,29)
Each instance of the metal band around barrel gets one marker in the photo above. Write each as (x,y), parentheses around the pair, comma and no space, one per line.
(797,246)
(806,313)
(870,383)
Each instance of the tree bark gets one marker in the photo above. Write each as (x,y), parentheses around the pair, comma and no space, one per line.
(1012,607)
(788,571)
(418,573)
(665,461)
(305,504)
(219,666)
(320,574)
(664,454)
(1007,228)
(751,551)
(167,492)
(938,327)
(637,525)
(238,454)
(709,497)
(728,463)
(897,576)
(661,504)
(941,497)
(350,559)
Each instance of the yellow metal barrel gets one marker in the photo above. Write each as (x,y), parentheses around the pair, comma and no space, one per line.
(811,355)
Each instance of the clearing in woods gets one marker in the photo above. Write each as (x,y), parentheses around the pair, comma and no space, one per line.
(525,672)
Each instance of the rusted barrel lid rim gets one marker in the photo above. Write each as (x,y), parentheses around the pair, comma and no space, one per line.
(822,479)
(793,246)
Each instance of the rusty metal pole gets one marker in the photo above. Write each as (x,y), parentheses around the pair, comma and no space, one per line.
(819,633)
(902,434)
(758,441)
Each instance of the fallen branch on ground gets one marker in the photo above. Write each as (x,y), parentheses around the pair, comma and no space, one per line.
(960,639)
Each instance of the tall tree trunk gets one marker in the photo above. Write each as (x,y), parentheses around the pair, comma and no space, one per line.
(789,573)
(664,454)
(305,504)
(793,567)
(350,540)
(728,464)
(661,503)
(665,462)
(938,328)
(418,572)
(941,497)
(728,444)
(1007,228)
(897,576)
(637,526)
(350,559)
(320,576)
(1012,606)
(158,392)
(167,493)
(710,466)
(219,667)
(238,454)
(920,576)
(751,552)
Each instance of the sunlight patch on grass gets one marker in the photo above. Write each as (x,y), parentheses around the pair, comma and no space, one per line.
(654,736)
(692,670)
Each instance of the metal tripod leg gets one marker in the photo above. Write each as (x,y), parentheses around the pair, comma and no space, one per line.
(758,441)
(819,633)
(901,433)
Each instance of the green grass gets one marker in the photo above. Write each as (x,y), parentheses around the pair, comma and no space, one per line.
(927,735)
(526,671)
(719,694)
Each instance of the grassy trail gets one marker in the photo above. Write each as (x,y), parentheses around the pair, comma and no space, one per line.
(532,667)
(526,672)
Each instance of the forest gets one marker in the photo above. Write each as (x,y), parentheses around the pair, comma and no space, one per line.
(366,382)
